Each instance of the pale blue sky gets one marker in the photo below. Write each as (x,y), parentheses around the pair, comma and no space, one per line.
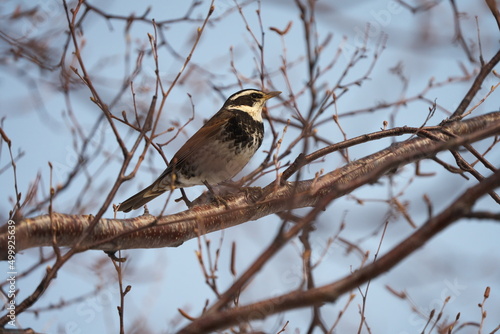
(460,262)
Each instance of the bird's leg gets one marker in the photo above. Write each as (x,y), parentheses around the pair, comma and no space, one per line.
(252,193)
(217,198)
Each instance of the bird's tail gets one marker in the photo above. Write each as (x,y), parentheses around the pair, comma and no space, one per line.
(141,198)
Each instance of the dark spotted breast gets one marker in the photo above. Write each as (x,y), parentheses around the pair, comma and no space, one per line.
(244,131)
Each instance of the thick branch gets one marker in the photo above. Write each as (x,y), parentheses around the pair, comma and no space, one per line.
(330,292)
(169,231)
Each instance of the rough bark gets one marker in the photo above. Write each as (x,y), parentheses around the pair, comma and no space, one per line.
(148,231)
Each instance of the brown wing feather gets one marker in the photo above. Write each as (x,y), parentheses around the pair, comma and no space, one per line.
(205,133)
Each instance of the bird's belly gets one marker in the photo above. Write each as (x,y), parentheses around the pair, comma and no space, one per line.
(216,163)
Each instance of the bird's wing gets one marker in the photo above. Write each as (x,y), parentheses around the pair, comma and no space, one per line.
(211,128)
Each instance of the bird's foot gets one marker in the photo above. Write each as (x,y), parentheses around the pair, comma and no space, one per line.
(219,199)
(253,193)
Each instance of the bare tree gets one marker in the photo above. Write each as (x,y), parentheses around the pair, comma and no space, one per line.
(339,152)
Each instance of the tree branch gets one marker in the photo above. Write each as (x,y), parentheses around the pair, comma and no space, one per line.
(476,86)
(148,231)
(330,292)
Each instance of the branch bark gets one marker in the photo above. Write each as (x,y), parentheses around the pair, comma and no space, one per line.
(330,292)
(148,231)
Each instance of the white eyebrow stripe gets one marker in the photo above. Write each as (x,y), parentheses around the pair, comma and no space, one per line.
(243,93)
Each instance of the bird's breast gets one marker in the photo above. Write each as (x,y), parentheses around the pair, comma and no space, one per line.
(225,154)
(243,132)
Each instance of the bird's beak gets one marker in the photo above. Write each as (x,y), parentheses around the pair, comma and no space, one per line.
(270,95)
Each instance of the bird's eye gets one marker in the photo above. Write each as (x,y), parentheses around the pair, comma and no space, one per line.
(256,96)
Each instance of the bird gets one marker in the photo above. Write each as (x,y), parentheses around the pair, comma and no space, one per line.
(216,152)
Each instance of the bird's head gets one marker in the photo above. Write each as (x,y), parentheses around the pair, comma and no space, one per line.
(250,101)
